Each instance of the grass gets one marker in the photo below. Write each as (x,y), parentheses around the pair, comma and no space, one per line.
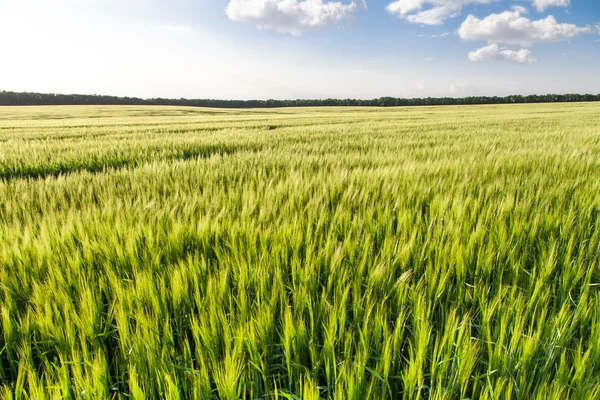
(347,253)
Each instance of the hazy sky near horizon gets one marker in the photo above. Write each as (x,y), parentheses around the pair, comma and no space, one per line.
(259,49)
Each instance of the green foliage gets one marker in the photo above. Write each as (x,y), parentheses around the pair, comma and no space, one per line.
(443,253)
(41,99)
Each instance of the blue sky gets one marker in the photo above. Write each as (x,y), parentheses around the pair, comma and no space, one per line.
(259,49)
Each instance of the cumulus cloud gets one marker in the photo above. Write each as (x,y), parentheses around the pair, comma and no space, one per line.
(511,27)
(290,16)
(433,16)
(436,12)
(541,5)
(494,53)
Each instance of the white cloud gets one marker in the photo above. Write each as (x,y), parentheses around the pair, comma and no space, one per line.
(429,59)
(541,5)
(511,28)
(461,88)
(520,9)
(441,35)
(290,16)
(494,53)
(437,13)
(433,16)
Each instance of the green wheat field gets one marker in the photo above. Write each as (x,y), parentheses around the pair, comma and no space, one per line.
(312,253)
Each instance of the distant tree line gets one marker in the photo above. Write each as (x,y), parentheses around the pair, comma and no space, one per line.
(30,99)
